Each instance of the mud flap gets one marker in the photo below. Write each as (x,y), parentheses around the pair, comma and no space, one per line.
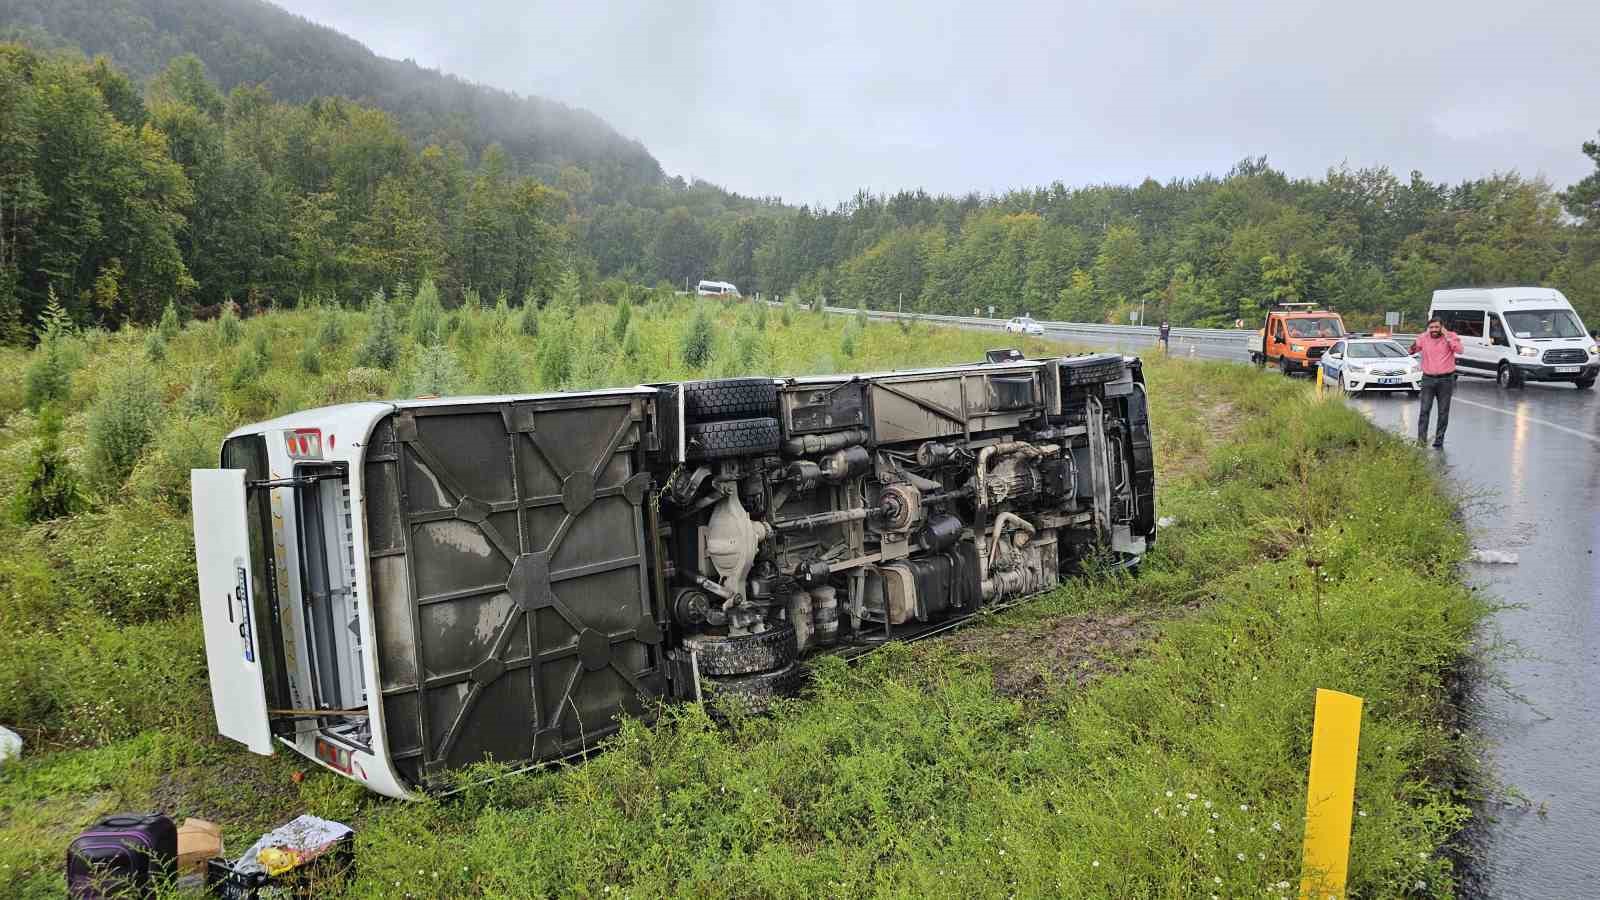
(227,607)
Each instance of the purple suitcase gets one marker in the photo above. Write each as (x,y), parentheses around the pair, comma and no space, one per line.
(124,855)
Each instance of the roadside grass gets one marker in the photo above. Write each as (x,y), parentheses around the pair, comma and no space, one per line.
(1309,550)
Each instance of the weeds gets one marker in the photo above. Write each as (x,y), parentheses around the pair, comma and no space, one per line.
(909,774)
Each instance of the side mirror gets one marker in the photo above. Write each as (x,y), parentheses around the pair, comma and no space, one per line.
(1336,356)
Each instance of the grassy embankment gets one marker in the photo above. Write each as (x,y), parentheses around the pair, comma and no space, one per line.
(1310,551)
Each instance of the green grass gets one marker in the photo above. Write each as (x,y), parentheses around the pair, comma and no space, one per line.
(1310,551)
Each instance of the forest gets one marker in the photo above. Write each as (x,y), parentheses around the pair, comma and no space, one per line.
(122,194)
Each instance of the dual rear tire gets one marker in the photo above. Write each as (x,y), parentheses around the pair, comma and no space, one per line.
(730,417)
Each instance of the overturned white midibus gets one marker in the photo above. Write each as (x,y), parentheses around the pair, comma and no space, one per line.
(399,589)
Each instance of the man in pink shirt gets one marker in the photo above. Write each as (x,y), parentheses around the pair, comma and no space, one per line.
(1438,349)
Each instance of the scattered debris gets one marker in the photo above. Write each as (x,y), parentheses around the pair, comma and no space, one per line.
(1494,557)
(10,745)
(289,852)
(1166,522)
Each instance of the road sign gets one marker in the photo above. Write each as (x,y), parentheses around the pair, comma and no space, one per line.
(1391,319)
(1133,316)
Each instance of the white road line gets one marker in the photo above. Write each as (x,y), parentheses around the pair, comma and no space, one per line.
(1516,415)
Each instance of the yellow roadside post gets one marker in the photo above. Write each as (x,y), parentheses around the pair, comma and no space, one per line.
(1319,381)
(1330,795)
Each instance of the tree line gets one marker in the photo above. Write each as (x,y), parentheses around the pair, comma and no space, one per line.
(119,198)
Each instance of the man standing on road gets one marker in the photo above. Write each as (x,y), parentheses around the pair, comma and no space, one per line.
(1438,349)
(1166,336)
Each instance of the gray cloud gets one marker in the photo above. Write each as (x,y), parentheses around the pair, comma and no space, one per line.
(812,101)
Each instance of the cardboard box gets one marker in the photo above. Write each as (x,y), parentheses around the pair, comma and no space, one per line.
(198,841)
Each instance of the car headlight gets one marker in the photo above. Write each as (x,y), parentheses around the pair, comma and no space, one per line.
(1528,351)
(1297,348)
(1594,351)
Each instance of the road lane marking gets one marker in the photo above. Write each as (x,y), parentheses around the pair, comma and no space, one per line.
(1516,415)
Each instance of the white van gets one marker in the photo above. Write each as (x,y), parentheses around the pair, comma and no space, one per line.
(717,289)
(1517,334)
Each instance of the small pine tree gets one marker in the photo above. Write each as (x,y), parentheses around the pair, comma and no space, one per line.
(502,371)
(502,312)
(310,358)
(49,486)
(699,339)
(569,290)
(427,315)
(861,313)
(437,372)
(49,377)
(791,306)
(170,326)
(761,316)
(847,340)
(331,330)
(121,422)
(381,347)
(228,328)
(528,322)
(619,326)
(556,333)
(155,347)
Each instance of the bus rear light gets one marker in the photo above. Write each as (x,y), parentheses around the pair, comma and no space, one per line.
(303,443)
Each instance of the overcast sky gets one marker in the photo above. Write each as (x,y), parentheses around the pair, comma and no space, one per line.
(814,100)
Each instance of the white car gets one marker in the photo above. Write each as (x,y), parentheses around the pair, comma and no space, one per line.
(1371,364)
(1025,325)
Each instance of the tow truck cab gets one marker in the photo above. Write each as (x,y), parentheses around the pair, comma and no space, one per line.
(1294,337)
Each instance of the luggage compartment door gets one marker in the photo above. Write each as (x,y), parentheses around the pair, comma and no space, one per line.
(511,578)
(228,607)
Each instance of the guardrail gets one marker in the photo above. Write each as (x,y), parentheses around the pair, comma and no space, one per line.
(1221,337)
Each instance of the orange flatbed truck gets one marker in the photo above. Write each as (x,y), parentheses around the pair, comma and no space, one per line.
(1294,337)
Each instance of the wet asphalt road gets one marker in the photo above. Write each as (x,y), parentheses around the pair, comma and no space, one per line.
(1529,463)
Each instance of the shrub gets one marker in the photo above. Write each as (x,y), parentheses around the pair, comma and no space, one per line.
(121,422)
(228,329)
(381,347)
(847,340)
(437,373)
(184,443)
(360,383)
(310,358)
(699,339)
(155,347)
(427,316)
(861,313)
(200,398)
(790,308)
(248,367)
(761,316)
(169,325)
(50,488)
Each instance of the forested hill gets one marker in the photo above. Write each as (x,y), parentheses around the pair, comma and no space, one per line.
(253,42)
(241,172)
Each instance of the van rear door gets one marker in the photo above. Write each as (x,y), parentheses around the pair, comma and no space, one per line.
(228,607)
